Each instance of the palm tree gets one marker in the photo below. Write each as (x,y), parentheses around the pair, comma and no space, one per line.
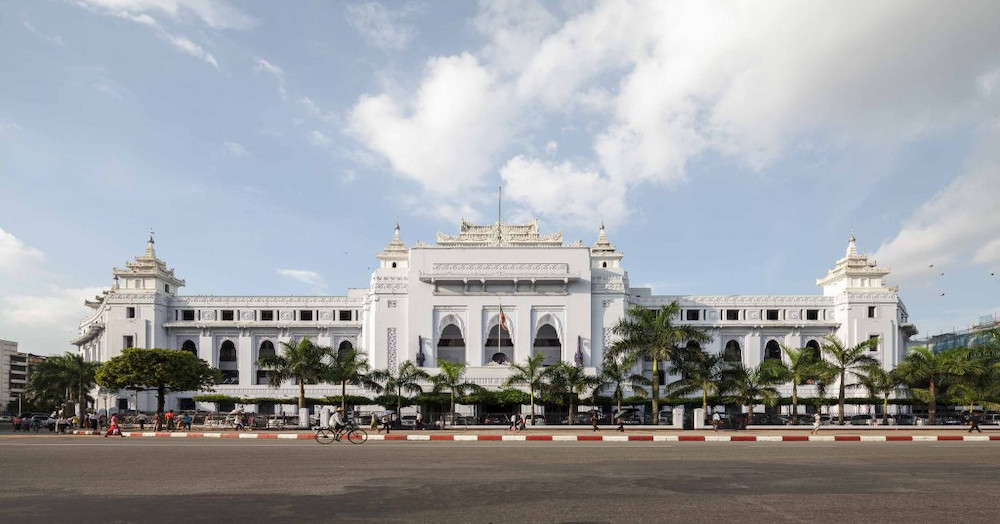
(62,377)
(878,381)
(923,366)
(532,374)
(650,333)
(802,367)
(452,379)
(752,385)
(302,361)
(571,381)
(406,378)
(349,366)
(845,359)
(700,371)
(617,374)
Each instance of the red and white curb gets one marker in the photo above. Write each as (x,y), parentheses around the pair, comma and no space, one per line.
(577,438)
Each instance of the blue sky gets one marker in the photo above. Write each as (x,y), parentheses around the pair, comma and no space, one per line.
(729,148)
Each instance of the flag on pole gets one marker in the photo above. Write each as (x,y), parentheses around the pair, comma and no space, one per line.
(503,321)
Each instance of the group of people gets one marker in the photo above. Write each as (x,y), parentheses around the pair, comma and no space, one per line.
(517,422)
(384,422)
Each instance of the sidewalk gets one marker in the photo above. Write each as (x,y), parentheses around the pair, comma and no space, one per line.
(833,434)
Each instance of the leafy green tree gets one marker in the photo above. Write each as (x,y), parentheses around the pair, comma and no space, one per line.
(351,367)
(616,373)
(750,386)
(700,371)
(802,367)
(406,378)
(452,379)
(879,382)
(651,333)
(302,361)
(935,370)
(163,370)
(61,378)
(846,359)
(570,382)
(531,374)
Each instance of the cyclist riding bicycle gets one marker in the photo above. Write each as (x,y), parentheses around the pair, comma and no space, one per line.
(337,422)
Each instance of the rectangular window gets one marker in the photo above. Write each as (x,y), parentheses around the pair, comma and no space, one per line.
(267,315)
(692,314)
(305,315)
(130,312)
(166,288)
(732,314)
(874,346)
(871,311)
(227,314)
(772,314)
(187,315)
(128,341)
(346,315)
(812,314)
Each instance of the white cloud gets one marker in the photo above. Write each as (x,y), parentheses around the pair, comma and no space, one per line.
(551,147)
(216,14)
(448,136)
(958,226)
(319,139)
(9,127)
(277,72)
(317,283)
(15,256)
(58,308)
(562,191)
(55,39)
(380,27)
(235,148)
(662,83)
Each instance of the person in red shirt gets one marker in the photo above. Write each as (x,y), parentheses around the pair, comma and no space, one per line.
(113,428)
(170,420)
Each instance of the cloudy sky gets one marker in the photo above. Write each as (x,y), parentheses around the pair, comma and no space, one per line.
(730,148)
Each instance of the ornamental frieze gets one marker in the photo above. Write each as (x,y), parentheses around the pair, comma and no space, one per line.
(491,269)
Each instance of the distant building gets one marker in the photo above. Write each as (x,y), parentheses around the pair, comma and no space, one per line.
(968,337)
(14,369)
(432,303)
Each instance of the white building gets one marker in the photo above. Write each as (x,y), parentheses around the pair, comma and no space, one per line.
(429,303)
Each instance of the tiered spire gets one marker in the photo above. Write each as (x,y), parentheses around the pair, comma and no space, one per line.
(395,253)
(604,254)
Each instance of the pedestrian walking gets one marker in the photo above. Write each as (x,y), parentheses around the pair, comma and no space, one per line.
(374,424)
(113,428)
(141,419)
(593,419)
(816,423)
(385,423)
(170,419)
(93,421)
(716,421)
(419,424)
(157,422)
(186,420)
(974,423)
(17,423)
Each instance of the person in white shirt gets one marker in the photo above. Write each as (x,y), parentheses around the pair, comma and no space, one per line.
(337,422)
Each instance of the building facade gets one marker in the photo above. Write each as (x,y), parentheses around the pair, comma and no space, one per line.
(14,369)
(430,303)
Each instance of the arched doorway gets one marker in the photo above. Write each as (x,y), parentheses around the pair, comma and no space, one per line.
(343,348)
(732,353)
(228,364)
(190,347)
(772,351)
(547,344)
(451,345)
(499,347)
(266,350)
(814,350)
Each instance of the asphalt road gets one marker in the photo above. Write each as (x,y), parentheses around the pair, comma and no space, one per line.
(93,479)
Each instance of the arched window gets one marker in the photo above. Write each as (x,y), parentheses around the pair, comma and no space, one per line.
(266,349)
(393,264)
(772,351)
(813,347)
(693,345)
(547,344)
(227,363)
(451,345)
(732,352)
(227,353)
(190,347)
(344,347)
(604,264)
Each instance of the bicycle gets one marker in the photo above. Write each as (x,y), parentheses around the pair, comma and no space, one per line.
(354,434)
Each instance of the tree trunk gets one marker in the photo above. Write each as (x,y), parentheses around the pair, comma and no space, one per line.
(932,405)
(656,392)
(399,405)
(571,417)
(532,405)
(795,402)
(161,398)
(704,404)
(885,409)
(749,416)
(452,408)
(302,393)
(343,396)
(843,389)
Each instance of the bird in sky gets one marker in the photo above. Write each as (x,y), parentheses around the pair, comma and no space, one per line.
(932,265)
(942,274)
(942,294)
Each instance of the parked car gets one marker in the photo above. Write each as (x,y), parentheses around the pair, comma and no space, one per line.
(496,419)
(6,418)
(408,421)
(860,420)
